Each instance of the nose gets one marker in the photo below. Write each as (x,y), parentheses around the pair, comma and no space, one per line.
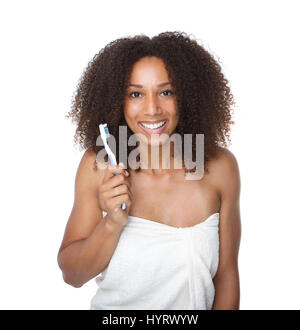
(152,106)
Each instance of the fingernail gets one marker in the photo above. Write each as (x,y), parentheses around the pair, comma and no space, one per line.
(122,165)
(126,173)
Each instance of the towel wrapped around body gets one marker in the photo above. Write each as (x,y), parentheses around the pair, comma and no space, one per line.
(157,266)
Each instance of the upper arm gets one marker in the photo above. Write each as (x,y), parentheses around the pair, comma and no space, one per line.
(230,223)
(86,212)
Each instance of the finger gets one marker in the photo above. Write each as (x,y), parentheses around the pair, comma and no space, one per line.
(117,180)
(118,200)
(111,170)
(117,191)
(114,182)
(115,169)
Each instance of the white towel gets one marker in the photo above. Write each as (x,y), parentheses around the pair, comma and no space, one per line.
(157,266)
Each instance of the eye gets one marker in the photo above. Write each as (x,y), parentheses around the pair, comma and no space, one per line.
(137,93)
(168,91)
(134,93)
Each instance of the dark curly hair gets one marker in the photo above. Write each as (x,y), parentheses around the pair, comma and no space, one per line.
(202,92)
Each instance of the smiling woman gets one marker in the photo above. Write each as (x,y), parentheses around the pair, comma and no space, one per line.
(176,244)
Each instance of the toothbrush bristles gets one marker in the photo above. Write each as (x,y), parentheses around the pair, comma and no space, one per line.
(106,130)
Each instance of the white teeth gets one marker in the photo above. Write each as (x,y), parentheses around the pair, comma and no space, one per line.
(154,126)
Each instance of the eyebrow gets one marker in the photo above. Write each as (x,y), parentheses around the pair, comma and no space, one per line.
(159,85)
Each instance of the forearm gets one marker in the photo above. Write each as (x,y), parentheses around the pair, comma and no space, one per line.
(85,259)
(227,291)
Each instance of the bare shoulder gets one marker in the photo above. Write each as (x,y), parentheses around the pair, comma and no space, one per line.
(89,172)
(89,160)
(225,171)
(225,160)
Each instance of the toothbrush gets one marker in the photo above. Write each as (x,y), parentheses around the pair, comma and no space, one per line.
(104,135)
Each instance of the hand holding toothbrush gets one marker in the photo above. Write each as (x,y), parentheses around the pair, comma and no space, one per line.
(114,191)
(112,158)
(104,136)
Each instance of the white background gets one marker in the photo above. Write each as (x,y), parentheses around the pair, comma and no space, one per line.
(45,46)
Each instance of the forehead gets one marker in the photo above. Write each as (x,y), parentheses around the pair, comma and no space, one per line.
(149,69)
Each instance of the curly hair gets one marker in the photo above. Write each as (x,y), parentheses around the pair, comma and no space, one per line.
(203,95)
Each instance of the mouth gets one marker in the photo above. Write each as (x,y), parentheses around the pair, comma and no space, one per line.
(153,127)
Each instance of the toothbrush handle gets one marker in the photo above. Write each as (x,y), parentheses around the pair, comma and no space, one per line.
(123,205)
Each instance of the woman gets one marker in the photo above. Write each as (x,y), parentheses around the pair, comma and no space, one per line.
(175,246)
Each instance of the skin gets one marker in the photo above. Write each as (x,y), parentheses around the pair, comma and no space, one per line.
(189,201)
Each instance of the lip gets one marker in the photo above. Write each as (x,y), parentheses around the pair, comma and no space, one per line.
(152,121)
(158,130)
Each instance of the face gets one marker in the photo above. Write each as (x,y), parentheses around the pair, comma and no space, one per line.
(150,105)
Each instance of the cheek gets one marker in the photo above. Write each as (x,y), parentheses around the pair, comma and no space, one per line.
(175,116)
(130,117)
(131,111)
(128,114)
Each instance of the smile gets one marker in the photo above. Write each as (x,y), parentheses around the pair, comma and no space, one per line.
(155,128)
